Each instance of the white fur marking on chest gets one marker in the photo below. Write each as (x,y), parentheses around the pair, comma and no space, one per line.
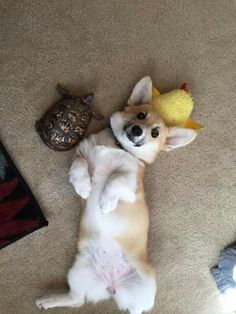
(105,162)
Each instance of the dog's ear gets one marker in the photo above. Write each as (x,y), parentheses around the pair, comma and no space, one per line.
(178,137)
(142,92)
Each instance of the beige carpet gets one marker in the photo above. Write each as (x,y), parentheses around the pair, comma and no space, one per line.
(106,46)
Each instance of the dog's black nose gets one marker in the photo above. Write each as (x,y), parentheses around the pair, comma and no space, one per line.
(136,130)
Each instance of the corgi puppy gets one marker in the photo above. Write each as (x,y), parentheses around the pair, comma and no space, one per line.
(108,172)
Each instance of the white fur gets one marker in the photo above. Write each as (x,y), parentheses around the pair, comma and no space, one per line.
(79,173)
(114,173)
(105,176)
(113,179)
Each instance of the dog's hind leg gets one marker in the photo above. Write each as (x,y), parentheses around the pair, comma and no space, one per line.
(84,281)
(84,284)
(136,294)
(60,300)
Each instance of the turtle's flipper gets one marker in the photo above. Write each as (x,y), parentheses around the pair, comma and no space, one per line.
(38,126)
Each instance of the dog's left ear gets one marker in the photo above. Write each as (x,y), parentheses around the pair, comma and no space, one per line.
(142,92)
(179,137)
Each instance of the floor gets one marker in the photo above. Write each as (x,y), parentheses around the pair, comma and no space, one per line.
(105,47)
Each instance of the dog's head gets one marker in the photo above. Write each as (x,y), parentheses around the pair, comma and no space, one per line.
(141,131)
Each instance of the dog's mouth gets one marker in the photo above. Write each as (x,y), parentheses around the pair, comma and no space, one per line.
(134,140)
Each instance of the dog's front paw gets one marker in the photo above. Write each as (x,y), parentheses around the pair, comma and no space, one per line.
(108,204)
(83,188)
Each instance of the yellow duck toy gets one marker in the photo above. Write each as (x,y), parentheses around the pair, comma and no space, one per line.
(175,107)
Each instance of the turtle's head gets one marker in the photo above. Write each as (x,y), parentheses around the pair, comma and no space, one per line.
(87,99)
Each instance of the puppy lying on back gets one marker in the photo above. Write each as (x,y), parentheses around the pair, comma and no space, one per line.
(108,172)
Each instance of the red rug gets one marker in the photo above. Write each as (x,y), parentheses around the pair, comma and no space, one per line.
(19,211)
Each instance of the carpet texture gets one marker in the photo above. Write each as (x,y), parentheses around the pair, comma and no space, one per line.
(106,46)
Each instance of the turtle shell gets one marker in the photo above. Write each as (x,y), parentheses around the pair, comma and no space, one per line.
(66,122)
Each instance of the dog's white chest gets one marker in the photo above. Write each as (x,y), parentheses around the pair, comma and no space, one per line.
(103,163)
(110,160)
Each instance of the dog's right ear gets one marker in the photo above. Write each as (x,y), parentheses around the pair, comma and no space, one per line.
(178,137)
(142,92)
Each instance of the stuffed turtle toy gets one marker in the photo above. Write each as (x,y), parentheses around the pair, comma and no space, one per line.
(66,122)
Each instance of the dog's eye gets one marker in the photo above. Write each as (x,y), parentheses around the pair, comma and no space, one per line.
(155,132)
(141,115)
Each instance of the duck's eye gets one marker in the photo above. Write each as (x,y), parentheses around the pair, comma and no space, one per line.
(141,115)
(155,132)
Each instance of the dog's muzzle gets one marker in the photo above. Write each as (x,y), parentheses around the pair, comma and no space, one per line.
(135,134)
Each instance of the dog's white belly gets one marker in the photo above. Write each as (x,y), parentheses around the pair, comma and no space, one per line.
(110,263)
